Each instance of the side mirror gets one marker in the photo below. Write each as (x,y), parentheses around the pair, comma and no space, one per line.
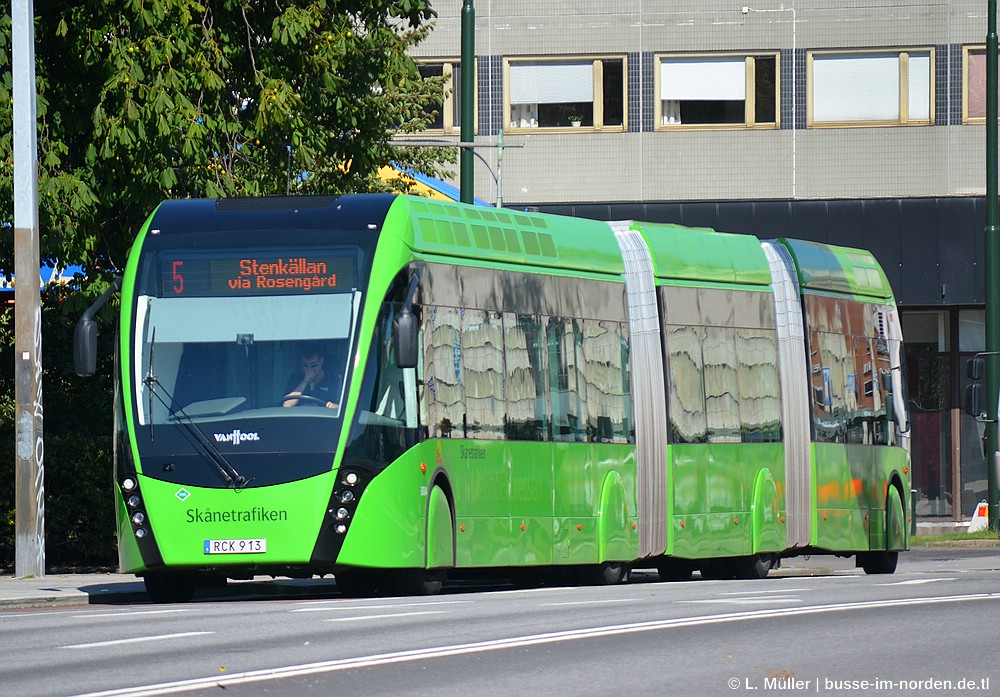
(85,334)
(974,368)
(85,347)
(407,329)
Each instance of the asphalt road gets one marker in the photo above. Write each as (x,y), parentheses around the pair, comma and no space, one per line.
(819,627)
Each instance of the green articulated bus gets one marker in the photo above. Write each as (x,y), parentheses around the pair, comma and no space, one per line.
(395,390)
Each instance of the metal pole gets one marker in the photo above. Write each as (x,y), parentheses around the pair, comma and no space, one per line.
(29,477)
(992,268)
(500,168)
(467,183)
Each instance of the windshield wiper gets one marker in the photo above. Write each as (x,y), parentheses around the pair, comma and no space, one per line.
(222,465)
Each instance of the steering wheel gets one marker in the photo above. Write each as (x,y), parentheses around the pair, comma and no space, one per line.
(301,397)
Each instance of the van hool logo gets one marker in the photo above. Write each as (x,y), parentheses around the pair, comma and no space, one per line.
(236,437)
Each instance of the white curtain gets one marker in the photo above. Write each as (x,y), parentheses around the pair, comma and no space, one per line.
(551,83)
(855,88)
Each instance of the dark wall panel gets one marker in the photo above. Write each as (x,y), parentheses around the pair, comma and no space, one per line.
(920,278)
(629,211)
(959,250)
(845,223)
(810,221)
(773,219)
(700,215)
(881,236)
(736,216)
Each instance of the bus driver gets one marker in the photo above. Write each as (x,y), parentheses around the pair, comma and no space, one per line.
(313,385)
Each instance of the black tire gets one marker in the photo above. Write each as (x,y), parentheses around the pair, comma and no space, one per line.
(609,573)
(756,566)
(878,562)
(169,588)
(675,570)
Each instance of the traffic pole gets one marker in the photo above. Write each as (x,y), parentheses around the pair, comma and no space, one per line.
(467,176)
(992,267)
(29,473)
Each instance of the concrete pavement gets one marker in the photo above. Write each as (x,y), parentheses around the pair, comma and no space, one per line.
(54,590)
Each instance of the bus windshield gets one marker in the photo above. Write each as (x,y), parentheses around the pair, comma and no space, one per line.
(208,358)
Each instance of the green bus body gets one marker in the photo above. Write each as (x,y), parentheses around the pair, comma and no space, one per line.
(587,396)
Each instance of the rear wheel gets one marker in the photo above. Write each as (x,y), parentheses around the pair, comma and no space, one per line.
(756,566)
(878,562)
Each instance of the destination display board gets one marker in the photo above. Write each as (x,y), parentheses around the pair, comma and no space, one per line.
(256,274)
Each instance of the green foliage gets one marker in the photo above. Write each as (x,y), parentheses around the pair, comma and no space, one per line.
(79,506)
(144,100)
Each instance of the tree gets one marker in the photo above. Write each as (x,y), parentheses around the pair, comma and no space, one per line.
(143,100)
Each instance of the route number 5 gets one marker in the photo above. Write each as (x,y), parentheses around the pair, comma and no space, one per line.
(178,278)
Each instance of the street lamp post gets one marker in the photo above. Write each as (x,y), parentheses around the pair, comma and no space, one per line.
(467,181)
(991,267)
(29,477)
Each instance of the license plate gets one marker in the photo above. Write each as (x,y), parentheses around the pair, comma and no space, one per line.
(251,546)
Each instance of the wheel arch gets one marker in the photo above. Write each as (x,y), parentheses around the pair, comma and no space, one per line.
(440,541)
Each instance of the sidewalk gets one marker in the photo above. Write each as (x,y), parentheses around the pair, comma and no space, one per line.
(53,590)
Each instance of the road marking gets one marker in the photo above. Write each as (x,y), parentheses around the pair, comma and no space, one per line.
(591,602)
(327,608)
(743,601)
(380,617)
(916,581)
(135,612)
(777,590)
(398,657)
(134,640)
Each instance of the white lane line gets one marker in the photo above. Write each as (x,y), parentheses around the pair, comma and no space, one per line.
(917,581)
(397,657)
(743,601)
(379,617)
(591,602)
(133,613)
(134,640)
(327,608)
(777,591)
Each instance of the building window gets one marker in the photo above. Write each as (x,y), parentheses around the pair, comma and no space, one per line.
(717,91)
(447,112)
(974,84)
(566,93)
(871,88)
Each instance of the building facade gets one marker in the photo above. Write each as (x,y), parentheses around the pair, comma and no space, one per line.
(859,123)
